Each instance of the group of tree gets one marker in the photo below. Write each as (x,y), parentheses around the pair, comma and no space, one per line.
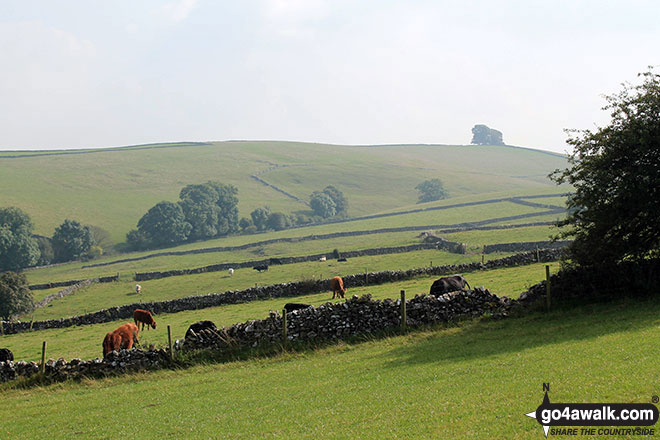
(431,190)
(204,211)
(325,204)
(483,135)
(20,248)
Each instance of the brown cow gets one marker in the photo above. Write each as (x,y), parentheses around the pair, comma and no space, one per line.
(144,317)
(337,287)
(122,337)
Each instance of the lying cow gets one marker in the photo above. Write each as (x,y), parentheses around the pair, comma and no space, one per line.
(448,284)
(124,336)
(6,355)
(143,317)
(337,287)
(290,307)
(261,268)
(199,326)
(341,260)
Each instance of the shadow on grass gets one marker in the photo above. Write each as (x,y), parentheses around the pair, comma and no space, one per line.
(480,339)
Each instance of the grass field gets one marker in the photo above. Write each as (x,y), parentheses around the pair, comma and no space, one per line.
(473,381)
(84,341)
(113,188)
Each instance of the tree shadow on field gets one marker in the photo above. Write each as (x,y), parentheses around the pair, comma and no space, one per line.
(476,340)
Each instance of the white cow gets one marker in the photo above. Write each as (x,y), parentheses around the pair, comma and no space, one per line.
(322,258)
(138,288)
(231,272)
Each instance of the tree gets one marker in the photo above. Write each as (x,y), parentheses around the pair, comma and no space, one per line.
(199,206)
(17,247)
(15,296)
(260,217)
(430,190)
(322,204)
(47,255)
(615,170)
(483,135)
(341,204)
(278,221)
(228,204)
(71,241)
(164,224)
(245,223)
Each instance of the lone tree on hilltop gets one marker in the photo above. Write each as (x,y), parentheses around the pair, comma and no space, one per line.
(613,213)
(483,135)
(15,296)
(431,190)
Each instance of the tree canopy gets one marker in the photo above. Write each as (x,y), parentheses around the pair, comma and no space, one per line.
(431,190)
(164,224)
(15,296)
(17,247)
(615,170)
(483,135)
(341,204)
(71,241)
(322,204)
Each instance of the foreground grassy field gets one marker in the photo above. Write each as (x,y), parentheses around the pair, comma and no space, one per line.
(85,341)
(474,381)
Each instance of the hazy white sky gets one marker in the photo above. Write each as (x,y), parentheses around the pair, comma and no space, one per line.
(89,73)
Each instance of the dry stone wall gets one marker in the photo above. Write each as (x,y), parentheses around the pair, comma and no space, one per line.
(282,290)
(53,285)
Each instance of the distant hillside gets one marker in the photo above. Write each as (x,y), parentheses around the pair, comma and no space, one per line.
(112,188)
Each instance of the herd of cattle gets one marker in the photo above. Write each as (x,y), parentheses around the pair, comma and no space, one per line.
(126,335)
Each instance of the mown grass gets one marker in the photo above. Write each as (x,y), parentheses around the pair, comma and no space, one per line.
(85,341)
(472,381)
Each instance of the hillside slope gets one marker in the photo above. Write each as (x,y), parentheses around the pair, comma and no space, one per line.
(112,188)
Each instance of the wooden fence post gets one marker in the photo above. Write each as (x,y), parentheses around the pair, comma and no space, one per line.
(366,276)
(538,256)
(547,286)
(285,338)
(42,367)
(2,329)
(403,311)
(169,341)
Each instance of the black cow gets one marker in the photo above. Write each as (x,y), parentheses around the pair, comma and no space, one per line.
(290,307)
(261,268)
(199,326)
(6,355)
(341,260)
(448,284)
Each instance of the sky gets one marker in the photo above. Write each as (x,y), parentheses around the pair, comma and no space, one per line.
(87,74)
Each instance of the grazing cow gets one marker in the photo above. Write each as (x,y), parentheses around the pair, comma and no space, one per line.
(124,336)
(199,326)
(261,268)
(231,272)
(448,284)
(337,287)
(138,289)
(144,317)
(341,260)
(290,307)
(322,258)
(6,355)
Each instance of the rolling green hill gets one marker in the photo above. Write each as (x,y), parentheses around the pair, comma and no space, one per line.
(112,188)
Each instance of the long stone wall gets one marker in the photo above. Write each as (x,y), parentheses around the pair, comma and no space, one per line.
(524,246)
(53,285)
(273,291)
(291,260)
(330,321)
(65,292)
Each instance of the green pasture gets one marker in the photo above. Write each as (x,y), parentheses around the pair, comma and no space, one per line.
(103,295)
(449,217)
(85,341)
(476,380)
(113,188)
